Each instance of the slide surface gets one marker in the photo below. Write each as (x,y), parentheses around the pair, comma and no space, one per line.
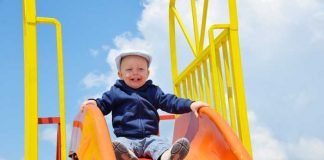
(209,135)
(90,136)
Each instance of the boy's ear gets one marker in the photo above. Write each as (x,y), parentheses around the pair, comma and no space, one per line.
(148,72)
(119,74)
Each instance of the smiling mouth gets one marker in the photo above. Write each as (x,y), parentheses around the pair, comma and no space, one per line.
(135,79)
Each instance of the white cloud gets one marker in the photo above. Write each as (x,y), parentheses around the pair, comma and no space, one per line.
(268,147)
(265,145)
(49,134)
(95,80)
(307,148)
(275,29)
(281,63)
(95,52)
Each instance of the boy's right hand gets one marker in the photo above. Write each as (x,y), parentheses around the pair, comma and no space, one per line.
(86,103)
(195,106)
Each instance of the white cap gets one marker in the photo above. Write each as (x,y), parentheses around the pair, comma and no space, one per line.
(146,56)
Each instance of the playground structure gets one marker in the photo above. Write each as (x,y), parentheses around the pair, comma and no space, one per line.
(214,76)
(30,21)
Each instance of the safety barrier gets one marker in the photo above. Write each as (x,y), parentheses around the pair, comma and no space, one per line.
(215,75)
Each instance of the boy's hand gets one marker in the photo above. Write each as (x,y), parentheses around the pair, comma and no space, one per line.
(196,105)
(86,103)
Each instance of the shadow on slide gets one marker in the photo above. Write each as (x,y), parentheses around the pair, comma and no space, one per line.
(210,137)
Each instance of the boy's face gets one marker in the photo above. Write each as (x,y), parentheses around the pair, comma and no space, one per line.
(134,71)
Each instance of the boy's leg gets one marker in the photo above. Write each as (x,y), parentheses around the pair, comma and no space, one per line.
(154,146)
(178,151)
(122,149)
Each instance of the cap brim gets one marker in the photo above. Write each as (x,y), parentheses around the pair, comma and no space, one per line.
(146,56)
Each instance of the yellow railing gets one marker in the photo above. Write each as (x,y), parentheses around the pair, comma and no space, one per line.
(30,80)
(215,75)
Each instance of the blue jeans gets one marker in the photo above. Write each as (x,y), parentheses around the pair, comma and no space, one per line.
(150,147)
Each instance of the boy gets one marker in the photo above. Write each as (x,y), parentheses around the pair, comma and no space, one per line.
(134,101)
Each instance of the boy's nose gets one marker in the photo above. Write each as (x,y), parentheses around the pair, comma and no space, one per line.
(133,72)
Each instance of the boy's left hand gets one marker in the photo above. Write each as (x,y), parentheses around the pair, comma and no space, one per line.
(196,105)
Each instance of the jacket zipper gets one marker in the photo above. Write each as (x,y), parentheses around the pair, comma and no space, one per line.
(140,115)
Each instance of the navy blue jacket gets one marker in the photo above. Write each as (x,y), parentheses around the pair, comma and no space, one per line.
(134,111)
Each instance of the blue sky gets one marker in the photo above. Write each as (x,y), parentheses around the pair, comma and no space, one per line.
(282,53)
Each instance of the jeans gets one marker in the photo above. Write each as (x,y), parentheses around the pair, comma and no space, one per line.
(149,147)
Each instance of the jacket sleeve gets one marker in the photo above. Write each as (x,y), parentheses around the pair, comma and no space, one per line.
(171,103)
(105,103)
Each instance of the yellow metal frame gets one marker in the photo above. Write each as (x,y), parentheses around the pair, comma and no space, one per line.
(215,75)
(30,79)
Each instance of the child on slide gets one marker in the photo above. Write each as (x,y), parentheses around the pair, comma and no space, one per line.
(133,101)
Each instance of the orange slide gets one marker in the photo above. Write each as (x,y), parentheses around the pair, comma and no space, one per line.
(210,137)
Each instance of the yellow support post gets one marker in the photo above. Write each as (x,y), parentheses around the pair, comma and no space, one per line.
(173,45)
(229,87)
(195,25)
(190,95)
(206,81)
(238,77)
(200,83)
(184,30)
(203,27)
(30,21)
(30,80)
